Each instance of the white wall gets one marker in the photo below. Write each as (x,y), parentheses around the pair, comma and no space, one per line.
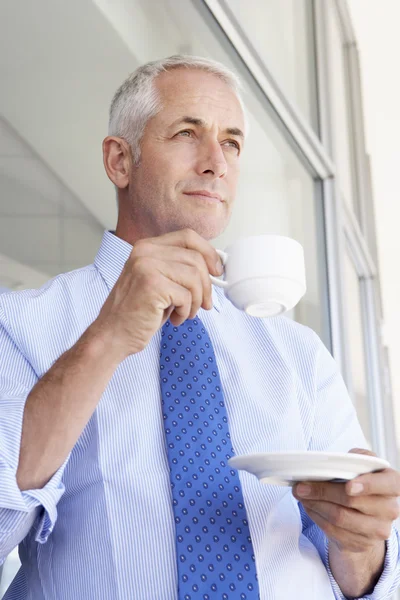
(376,25)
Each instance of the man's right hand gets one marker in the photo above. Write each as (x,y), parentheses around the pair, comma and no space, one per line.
(166,277)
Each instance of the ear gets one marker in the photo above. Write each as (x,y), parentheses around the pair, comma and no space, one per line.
(117,159)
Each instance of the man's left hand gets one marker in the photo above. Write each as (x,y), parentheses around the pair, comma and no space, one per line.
(356,516)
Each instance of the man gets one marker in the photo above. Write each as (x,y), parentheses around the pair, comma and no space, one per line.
(124,384)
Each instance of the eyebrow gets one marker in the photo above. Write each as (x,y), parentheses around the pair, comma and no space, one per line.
(201,123)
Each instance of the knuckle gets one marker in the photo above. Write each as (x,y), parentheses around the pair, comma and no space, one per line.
(150,283)
(141,248)
(330,530)
(141,264)
(202,266)
(352,502)
(189,235)
(383,531)
(188,298)
(397,482)
(392,480)
(394,510)
(193,271)
(139,244)
(186,295)
(319,492)
(339,516)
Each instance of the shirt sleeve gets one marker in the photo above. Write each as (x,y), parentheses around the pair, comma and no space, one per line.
(337,429)
(20,511)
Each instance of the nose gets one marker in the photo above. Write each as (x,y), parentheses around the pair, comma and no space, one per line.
(212,161)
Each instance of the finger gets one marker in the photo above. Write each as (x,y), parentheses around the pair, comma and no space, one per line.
(351,520)
(180,303)
(381,483)
(348,540)
(187,238)
(362,451)
(185,276)
(184,256)
(374,505)
(321,490)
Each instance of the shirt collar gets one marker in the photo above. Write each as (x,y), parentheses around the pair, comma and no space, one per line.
(112,256)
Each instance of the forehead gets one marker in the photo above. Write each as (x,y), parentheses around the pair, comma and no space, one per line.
(195,92)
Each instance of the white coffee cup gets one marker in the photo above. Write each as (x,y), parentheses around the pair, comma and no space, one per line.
(264,275)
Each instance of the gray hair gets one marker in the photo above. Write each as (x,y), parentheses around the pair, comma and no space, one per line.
(137,99)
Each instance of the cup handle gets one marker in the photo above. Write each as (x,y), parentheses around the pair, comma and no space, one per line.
(215,280)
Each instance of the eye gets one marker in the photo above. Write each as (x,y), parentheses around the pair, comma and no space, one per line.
(232,144)
(188,131)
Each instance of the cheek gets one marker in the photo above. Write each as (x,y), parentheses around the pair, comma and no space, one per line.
(173,163)
(233,178)
(154,171)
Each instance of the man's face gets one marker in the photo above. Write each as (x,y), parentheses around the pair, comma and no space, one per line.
(189,165)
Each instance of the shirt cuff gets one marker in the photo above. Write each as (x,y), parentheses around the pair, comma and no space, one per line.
(15,505)
(389,579)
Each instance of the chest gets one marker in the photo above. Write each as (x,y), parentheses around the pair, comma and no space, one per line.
(268,411)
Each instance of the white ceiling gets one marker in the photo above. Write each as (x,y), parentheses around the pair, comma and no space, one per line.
(59,65)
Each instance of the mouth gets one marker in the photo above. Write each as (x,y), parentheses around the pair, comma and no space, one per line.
(206,196)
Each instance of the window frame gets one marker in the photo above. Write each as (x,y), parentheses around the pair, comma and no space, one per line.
(341,226)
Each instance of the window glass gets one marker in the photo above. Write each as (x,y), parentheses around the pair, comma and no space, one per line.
(342,146)
(44,228)
(281,32)
(358,384)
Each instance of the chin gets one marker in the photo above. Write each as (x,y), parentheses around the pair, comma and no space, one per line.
(207,229)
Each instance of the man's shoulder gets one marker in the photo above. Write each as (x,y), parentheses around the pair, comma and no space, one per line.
(51,303)
(298,343)
(56,285)
(292,331)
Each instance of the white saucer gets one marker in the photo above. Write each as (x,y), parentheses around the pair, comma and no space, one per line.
(286,468)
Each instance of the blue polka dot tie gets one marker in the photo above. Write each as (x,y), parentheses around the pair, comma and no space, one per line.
(214,550)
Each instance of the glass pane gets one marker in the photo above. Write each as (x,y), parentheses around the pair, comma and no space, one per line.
(281,32)
(358,384)
(341,121)
(44,228)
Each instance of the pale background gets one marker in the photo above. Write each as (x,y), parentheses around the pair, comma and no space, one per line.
(377,28)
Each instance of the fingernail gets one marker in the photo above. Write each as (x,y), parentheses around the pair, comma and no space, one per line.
(219,267)
(356,488)
(303,490)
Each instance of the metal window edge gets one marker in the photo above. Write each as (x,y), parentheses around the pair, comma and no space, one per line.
(334,235)
(346,22)
(294,122)
(365,263)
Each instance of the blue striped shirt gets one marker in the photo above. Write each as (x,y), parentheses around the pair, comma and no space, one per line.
(103,526)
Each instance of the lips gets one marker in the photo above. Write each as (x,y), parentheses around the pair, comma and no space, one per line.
(205,193)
